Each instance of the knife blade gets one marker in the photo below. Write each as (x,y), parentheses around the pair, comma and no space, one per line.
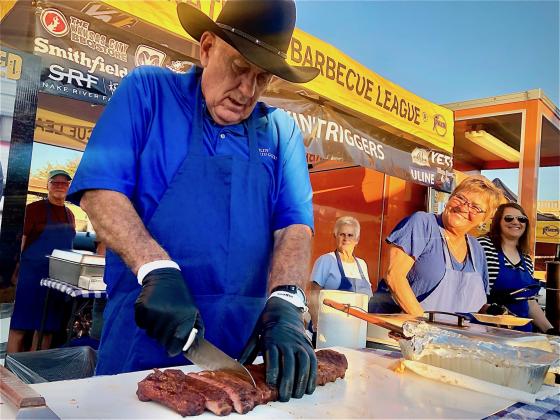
(207,356)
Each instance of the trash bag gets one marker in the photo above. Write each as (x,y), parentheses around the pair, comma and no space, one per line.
(53,365)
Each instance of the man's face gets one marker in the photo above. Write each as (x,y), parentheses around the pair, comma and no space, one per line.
(58,187)
(230,84)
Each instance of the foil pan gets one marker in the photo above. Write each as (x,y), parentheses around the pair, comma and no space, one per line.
(515,367)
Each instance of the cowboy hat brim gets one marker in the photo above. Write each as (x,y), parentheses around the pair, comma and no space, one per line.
(196,23)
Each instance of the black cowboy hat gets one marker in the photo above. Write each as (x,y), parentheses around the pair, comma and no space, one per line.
(260,30)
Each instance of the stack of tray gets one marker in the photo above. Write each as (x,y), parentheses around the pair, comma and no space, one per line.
(68,266)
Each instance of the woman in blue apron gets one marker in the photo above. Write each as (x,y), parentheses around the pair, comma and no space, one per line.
(340,269)
(34,265)
(510,267)
(433,263)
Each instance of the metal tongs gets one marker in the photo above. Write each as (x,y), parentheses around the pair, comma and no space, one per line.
(394,322)
(394,325)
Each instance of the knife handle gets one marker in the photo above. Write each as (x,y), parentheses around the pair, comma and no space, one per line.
(190,340)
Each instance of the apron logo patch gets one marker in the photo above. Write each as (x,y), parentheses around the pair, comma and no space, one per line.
(265,152)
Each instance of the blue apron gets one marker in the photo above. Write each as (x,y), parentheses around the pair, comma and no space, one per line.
(510,278)
(34,266)
(458,291)
(214,220)
(350,284)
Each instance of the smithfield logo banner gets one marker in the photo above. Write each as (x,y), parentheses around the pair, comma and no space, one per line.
(54,22)
(84,58)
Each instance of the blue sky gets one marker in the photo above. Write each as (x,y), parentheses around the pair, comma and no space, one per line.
(449,51)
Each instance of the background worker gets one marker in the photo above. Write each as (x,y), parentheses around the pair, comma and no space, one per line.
(434,264)
(202,196)
(48,225)
(340,269)
(510,268)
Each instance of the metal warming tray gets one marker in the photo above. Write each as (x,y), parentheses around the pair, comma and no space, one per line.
(68,266)
(501,356)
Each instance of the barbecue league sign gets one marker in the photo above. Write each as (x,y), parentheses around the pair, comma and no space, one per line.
(85,59)
(347,82)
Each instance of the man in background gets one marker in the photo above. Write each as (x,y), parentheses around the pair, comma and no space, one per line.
(48,225)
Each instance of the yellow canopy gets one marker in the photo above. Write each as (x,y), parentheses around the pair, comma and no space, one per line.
(342,79)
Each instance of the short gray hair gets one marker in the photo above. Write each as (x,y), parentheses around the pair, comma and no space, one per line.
(347,220)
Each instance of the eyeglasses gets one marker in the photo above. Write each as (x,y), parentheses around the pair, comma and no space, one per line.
(60,183)
(473,208)
(521,219)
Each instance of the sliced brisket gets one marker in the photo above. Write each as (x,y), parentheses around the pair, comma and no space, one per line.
(221,392)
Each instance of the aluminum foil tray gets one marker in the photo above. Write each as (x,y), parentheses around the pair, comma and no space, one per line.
(515,367)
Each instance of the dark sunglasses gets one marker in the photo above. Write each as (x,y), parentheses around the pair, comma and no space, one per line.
(521,219)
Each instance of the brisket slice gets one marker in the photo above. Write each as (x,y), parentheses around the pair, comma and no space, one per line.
(168,389)
(217,400)
(222,391)
(267,393)
(330,366)
(242,393)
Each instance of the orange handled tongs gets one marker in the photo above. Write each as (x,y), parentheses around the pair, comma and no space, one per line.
(393,323)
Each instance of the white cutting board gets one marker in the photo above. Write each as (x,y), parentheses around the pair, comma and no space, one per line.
(370,390)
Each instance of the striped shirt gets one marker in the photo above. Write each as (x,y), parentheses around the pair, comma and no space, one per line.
(494,264)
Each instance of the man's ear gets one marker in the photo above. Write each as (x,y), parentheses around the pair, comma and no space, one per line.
(207,42)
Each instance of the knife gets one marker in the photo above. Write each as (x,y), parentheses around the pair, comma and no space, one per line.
(207,356)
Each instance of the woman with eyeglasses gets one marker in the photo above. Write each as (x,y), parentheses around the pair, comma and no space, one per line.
(434,264)
(48,225)
(510,268)
(340,269)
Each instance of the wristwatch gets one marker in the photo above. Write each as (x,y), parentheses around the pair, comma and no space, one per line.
(291,293)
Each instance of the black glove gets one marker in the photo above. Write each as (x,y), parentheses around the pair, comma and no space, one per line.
(500,298)
(291,365)
(495,309)
(166,309)
(553,331)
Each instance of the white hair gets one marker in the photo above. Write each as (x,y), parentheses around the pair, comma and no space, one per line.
(350,221)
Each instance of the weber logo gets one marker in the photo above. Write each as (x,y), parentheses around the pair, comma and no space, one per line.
(440,126)
(54,22)
(72,77)
(149,56)
(551,231)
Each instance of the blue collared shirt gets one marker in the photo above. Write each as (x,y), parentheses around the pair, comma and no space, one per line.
(142,137)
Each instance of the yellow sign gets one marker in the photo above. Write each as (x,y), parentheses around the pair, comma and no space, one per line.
(5,7)
(62,130)
(346,82)
(342,80)
(548,231)
(10,65)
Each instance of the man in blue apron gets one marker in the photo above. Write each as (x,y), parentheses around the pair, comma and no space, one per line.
(48,225)
(203,198)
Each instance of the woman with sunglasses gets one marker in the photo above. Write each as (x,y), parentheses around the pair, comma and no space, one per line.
(434,265)
(510,267)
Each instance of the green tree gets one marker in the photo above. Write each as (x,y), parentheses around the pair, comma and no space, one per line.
(69,166)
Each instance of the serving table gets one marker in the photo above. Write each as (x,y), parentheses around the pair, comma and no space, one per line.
(370,390)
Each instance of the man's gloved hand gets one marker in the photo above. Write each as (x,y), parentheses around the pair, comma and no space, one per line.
(291,365)
(166,309)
